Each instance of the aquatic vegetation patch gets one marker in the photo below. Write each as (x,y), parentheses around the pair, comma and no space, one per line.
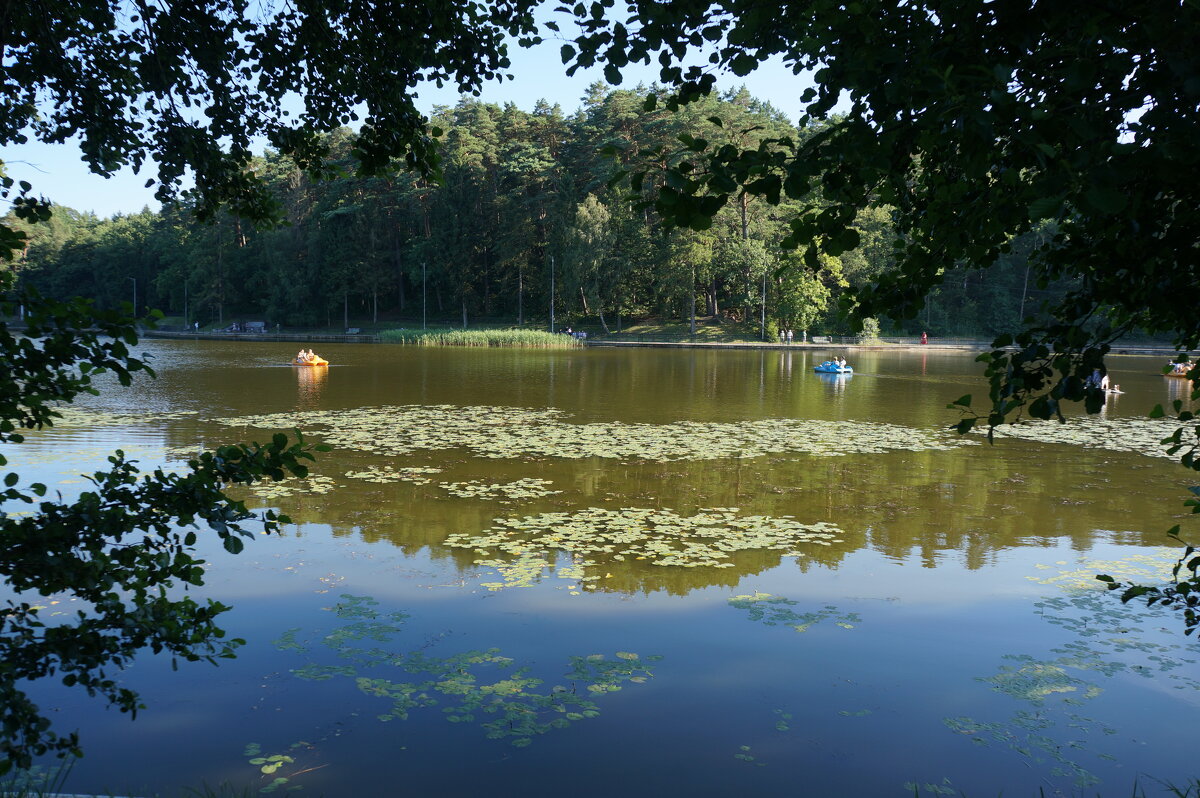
(528,488)
(1034,681)
(1148,566)
(663,538)
(508,432)
(743,754)
(772,610)
(1106,639)
(386,473)
(270,764)
(1138,435)
(185,452)
(521,339)
(269,490)
(511,704)
(1025,735)
(528,569)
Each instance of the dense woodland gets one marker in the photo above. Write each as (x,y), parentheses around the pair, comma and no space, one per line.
(528,209)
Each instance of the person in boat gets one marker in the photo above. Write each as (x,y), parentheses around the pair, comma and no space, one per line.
(300,356)
(1095,380)
(841,361)
(310,357)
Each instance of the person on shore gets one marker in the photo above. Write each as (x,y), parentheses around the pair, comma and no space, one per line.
(789,337)
(783,336)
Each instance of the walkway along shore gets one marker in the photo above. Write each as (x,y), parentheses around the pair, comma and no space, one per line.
(808,346)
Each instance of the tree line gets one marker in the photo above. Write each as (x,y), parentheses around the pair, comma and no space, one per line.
(535,214)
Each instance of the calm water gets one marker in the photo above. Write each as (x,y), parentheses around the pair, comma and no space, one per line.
(935,639)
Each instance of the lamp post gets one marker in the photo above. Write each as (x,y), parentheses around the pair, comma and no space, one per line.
(134,279)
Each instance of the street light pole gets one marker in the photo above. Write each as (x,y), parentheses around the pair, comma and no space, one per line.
(134,279)
(423,293)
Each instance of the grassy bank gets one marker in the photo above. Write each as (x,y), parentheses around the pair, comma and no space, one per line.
(526,339)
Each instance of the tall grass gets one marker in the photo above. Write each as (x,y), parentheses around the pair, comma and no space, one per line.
(528,339)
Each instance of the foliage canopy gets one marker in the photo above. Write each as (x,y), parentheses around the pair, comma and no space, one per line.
(194,85)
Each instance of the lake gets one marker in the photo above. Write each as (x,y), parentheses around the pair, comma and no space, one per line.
(633,572)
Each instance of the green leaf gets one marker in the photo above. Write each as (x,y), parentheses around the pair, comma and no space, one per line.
(1044,208)
(1107,200)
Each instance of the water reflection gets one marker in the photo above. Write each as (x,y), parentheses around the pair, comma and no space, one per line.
(310,380)
(836,381)
(1178,390)
(934,557)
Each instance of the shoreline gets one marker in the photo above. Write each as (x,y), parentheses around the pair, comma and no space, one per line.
(807,346)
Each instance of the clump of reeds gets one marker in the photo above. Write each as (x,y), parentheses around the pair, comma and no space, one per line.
(528,339)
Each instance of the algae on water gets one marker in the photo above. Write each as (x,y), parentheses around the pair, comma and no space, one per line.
(658,537)
(505,432)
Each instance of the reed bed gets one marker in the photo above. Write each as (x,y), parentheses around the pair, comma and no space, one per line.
(526,339)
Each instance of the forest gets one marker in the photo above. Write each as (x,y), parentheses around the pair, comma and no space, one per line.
(534,210)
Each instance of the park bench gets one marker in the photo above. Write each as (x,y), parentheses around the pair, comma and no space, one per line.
(822,339)
(353,330)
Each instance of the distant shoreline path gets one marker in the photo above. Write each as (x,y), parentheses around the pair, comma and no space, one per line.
(808,346)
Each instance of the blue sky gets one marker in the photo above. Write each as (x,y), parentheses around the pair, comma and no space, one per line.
(57,172)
